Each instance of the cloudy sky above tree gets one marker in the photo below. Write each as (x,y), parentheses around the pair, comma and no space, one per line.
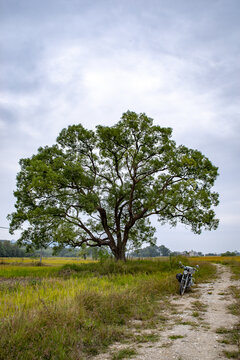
(68,62)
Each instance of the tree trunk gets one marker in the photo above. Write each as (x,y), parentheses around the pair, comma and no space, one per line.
(41,256)
(119,253)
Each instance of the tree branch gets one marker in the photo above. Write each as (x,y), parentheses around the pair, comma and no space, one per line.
(103,216)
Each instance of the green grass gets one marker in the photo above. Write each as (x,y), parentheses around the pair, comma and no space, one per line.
(235,267)
(232,354)
(195,314)
(175,337)
(187,323)
(207,272)
(11,271)
(222,330)
(124,354)
(235,307)
(144,338)
(199,306)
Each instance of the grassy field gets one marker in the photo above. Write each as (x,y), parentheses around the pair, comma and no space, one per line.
(27,267)
(77,309)
(217,259)
(233,262)
(51,261)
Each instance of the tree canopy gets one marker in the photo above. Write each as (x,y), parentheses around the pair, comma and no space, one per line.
(101,187)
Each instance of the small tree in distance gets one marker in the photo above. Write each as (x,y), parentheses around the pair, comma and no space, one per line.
(101,188)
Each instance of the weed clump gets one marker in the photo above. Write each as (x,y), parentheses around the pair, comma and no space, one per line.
(124,354)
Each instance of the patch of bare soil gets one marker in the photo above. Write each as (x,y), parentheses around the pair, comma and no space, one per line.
(191,331)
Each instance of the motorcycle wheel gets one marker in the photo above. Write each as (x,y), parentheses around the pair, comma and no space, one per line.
(183,285)
(181,289)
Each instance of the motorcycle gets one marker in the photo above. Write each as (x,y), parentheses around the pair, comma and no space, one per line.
(186,279)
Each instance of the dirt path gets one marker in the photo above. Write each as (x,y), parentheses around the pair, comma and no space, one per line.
(190,332)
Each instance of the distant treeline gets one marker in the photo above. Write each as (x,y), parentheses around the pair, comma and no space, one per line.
(152,251)
(11,249)
(229,253)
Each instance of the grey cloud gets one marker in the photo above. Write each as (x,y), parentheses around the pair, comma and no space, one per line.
(7,115)
(68,61)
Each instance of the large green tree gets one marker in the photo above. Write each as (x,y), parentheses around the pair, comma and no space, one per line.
(101,188)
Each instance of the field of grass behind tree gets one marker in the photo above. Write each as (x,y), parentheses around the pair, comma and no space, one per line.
(75,310)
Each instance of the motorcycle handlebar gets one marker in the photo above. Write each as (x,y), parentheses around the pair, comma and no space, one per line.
(184,266)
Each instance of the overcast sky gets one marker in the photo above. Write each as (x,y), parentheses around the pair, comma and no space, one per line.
(65,62)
